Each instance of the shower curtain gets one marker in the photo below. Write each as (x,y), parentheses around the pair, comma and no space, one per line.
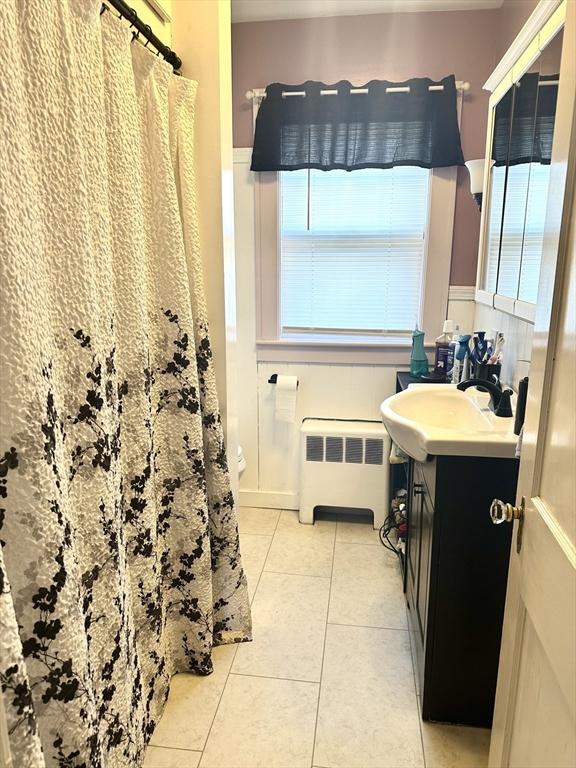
(120,562)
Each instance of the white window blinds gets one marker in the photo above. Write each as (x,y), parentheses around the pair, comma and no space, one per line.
(352,249)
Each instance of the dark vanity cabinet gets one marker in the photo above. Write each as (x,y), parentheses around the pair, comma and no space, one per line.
(456,573)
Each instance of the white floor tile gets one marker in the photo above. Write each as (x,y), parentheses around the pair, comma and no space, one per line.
(161,757)
(192,703)
(304,550)
(367,715)
(254,548)
(263,723)
(289,523)
(256,520)
(366,588)
(289,619)
(454,746)
(357,533)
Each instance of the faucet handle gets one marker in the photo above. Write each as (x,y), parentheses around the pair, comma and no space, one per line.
(504,407)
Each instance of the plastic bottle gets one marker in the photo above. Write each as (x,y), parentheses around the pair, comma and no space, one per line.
(444,357)
(418,359)
(462,366)
(454,344)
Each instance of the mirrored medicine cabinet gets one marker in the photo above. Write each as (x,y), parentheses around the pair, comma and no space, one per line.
(521,127)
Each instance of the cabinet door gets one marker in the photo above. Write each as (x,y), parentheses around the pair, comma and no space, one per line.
(494,206)
(424,565)
(524,95)
(522,124)
(540,163)
(413,548)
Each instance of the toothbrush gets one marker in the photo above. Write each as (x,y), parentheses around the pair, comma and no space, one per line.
(497,353)
(480,347)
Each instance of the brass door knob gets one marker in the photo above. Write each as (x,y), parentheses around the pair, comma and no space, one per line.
(501,512)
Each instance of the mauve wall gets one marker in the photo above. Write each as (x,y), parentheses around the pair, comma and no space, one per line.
(511,18)
(386,46)
(392,47)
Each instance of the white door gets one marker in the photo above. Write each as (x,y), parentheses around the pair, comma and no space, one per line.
(535,713)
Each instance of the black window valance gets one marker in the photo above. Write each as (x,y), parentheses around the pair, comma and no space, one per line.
(524,121)
(349,131)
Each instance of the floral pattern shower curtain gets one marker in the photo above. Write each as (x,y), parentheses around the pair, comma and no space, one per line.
(120,562)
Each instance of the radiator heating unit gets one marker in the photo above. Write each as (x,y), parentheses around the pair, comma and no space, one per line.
(344,464)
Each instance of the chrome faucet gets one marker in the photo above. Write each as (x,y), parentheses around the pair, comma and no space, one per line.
(499,400)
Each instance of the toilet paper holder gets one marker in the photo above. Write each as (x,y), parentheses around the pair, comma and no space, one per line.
(274,379)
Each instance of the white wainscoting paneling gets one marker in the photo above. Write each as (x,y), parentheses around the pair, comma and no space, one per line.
(246,316)
(327,389)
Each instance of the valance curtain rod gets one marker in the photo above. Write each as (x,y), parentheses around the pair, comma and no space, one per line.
(145,30)
(260,93)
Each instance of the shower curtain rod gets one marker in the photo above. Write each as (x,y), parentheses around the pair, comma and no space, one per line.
(145,30)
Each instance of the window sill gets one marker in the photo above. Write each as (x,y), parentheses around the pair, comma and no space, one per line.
(389,350)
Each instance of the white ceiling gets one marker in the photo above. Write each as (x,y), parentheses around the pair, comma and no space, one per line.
(268,10)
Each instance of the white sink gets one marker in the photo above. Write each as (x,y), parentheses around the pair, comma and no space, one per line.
(440,420)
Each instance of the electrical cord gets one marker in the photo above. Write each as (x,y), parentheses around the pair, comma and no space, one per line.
(385,531)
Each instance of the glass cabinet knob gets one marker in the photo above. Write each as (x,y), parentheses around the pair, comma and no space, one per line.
(501,512)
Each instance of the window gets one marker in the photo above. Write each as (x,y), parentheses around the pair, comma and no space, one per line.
(352,250)
(345,265)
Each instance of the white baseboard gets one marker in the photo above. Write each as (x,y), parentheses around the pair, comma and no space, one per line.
(268,499)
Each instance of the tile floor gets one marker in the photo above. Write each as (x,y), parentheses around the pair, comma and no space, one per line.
(328,681)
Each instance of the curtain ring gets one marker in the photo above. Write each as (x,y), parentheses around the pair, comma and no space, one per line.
(135,35)
(133,17)
(149,29)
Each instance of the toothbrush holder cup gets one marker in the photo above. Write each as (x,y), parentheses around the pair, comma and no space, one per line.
(487,372)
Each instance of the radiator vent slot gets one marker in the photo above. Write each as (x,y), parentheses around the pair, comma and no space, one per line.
(354,450)
(374,451)
(314,448)
(334,449)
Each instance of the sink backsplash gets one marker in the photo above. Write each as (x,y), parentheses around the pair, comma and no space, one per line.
(518,346)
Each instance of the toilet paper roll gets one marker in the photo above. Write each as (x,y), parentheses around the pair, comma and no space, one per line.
(286,391)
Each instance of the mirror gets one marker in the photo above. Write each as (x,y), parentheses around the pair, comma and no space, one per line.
(523,130)
(500,144)
(521,139)
(533,243)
